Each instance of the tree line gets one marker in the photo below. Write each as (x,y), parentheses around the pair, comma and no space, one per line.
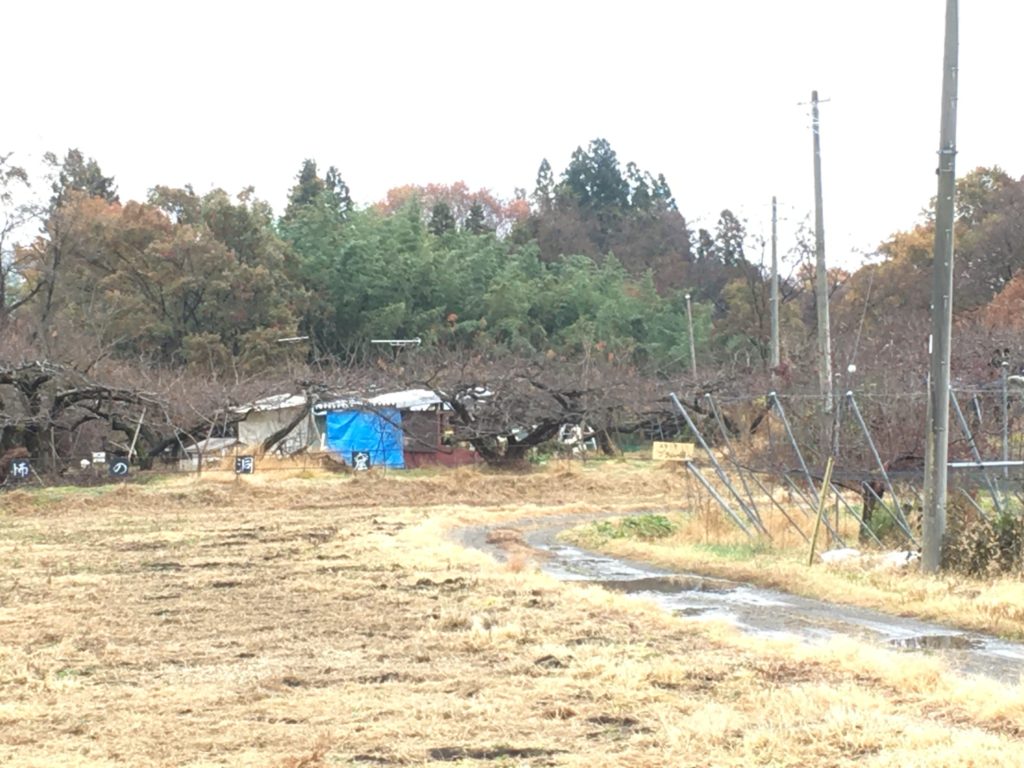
(596,260)
(573,294)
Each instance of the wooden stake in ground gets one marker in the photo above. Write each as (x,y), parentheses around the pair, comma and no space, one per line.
(135,437)
(821,507)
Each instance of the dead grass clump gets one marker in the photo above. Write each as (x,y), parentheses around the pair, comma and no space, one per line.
(313,759)
(20,502)
(505,536)
(518,562)
(980,547)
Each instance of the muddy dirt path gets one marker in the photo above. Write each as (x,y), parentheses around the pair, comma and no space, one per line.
(755,610)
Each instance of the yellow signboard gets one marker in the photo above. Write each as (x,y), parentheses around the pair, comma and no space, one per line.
(672,451)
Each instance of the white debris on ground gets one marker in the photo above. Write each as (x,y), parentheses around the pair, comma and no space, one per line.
(849,557)
(839,555)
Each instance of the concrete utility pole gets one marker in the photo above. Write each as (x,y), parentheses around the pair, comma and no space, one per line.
(693,348)
(1004,368)
(776,351)
(821,282)
(937,446)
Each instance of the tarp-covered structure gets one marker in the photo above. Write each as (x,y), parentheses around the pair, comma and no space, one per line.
(365,437)
(422,422)
(408,428)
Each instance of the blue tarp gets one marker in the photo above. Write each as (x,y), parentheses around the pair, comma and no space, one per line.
(376,433)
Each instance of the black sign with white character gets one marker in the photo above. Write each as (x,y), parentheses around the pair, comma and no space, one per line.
(19,470)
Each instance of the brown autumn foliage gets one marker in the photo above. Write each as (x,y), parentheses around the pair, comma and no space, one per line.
(499,215)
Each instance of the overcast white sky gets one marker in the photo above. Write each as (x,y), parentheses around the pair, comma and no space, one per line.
(231,94)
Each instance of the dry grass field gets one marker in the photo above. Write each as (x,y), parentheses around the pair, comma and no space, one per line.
(319,620)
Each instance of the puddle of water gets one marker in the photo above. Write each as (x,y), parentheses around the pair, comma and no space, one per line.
(750,596)
(572,564)
(690,611)
(766,612)
(935,642)
(668,584)
(1007,651)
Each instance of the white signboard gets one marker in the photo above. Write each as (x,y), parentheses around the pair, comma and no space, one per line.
(672,451)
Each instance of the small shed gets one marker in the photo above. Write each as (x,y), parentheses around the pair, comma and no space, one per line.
(268,415)
(416,418)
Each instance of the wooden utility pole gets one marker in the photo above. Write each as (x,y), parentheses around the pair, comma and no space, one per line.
(821,285)
(776,351)
(937,446)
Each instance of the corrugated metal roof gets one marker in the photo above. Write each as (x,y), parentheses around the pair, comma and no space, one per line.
(272,403)
(409,399)
(212,445)
(404,400)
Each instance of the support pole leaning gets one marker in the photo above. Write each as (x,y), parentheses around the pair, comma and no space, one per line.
(796,448)
(739,469)
(750,514)
(966,430)
(874,451)
(718,497)
(730,453)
